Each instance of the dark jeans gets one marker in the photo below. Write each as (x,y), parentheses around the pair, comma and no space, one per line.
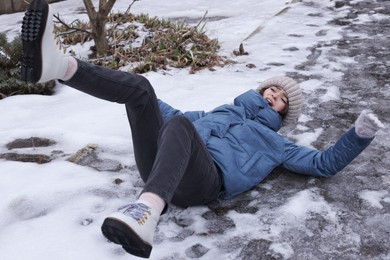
(172,159)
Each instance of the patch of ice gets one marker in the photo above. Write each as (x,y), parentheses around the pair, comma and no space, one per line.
(332,93)
(304,202)
(306,139)
(373,197)
(284,249)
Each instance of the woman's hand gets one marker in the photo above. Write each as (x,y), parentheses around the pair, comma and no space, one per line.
(367,124)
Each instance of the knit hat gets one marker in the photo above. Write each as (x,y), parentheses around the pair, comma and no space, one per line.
(294,95)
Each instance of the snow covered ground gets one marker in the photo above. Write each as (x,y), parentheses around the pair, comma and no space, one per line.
(336,50)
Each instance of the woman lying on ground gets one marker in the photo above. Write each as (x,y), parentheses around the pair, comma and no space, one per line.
(190,158)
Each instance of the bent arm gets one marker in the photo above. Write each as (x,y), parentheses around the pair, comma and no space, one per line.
(308,161)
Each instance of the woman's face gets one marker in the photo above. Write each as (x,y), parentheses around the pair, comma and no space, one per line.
(276,97)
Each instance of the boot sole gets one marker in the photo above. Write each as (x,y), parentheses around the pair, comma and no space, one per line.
(33,28)
(121,234)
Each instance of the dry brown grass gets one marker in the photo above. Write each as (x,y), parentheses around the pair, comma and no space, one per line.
(162,44)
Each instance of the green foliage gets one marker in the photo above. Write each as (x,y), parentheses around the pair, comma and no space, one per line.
(10,53)
(10,83)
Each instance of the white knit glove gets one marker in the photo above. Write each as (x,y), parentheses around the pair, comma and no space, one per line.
(367,124)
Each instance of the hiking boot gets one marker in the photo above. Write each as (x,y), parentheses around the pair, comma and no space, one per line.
(133,227)
(42,58)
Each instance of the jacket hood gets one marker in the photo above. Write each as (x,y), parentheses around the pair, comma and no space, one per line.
(258,109)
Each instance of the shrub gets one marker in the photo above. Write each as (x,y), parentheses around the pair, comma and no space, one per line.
(161,43)
(10,83)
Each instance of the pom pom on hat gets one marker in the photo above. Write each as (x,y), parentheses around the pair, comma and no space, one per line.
(294,95)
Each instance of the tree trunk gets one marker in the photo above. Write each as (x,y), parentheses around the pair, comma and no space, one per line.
(98,22)
(99,36)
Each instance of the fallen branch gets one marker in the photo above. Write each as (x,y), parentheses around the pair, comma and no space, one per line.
(262,25)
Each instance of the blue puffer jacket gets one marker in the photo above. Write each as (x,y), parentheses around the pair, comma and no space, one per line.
(243,141)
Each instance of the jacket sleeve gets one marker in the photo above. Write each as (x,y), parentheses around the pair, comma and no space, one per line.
(168,112)
(308,161)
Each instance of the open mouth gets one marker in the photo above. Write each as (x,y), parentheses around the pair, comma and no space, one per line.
(269,101)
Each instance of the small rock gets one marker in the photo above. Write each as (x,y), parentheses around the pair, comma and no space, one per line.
(57,152)
(295,35)
(106,165)
(87,156)
(277,64)
(118,181)
(339,4)
(265,69)
(82,154)
(322,33)
(34,158)
(196,251)
(315,15)
(291,49)
(30,143)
